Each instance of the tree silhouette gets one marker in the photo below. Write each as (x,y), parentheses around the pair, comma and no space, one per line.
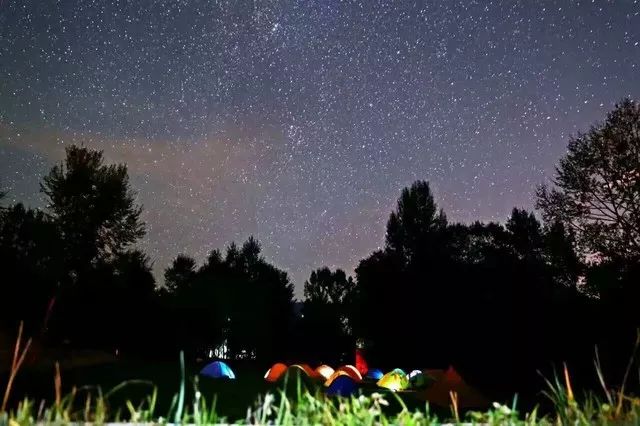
(415,220)
(93,206)
(93,209)
(180,274)
(326,311)
(30,252)
(597,186)
(238,300)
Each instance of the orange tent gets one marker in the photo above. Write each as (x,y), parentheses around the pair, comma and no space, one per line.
(351,372)
(335,375)
(275,372)
(451,381)
(324,371)
(305,368)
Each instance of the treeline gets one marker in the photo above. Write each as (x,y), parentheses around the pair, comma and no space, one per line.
(497,300)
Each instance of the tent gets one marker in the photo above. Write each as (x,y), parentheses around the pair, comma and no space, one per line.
(374,374)
(395,380)
(302,368)
(417,379)
(352,372)
(361,363)
(275,372)
(343,385)
(218,370)
(335,375)
(324,371)
(451,381)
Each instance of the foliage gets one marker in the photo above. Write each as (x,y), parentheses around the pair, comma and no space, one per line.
(325,323)
(597,186)
(93,206)
(224,300)
(31,269)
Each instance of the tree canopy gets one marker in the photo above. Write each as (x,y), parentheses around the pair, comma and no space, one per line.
(596,187)
(93,206)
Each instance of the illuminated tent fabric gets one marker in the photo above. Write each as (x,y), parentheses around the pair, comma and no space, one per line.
(361,363)
(275,372)
(303,368)
(335,375)
(451,381)
(352,372)
(324,371)
(417,379)
(343,385)
(395,380)
(218,370)
(374,374)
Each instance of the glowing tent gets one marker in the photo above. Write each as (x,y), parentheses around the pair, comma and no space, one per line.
(324,371)
(361,362)
(275,372)
(343,385)
(303,368)
(417,379)
(334,376)
(352,372)
(395,380)
(450,381)
(218,370)
(374,374)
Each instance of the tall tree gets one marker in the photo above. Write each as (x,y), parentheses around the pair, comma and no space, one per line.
(416,218)
(93,206)
(409,279)
(596,188)
(31,268)
(180,274)
(326,312)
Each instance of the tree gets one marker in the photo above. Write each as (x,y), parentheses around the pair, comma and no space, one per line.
(326,310)
(416,219)
(526,234)
(93,206)
(180,274)
(404,286)
(561,254)
(237,301)
(31,268)
(596,188)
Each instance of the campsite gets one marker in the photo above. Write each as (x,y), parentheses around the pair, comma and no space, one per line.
(251,380)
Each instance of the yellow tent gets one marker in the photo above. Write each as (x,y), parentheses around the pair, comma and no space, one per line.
(395,380)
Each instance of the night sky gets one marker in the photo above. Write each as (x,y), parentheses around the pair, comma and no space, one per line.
(300,121)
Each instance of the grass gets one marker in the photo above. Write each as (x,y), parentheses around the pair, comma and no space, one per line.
(296,403)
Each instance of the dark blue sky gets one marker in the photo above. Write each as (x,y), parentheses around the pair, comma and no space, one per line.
(301,121)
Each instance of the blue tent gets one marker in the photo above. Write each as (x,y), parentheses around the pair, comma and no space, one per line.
(374,374)
(218,370)
(342,386)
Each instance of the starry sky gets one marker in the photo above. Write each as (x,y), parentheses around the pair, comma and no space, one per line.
(300,121)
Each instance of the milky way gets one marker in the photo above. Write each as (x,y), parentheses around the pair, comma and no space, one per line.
(298,121)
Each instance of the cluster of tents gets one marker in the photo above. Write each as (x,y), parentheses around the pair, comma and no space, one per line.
(435,386)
